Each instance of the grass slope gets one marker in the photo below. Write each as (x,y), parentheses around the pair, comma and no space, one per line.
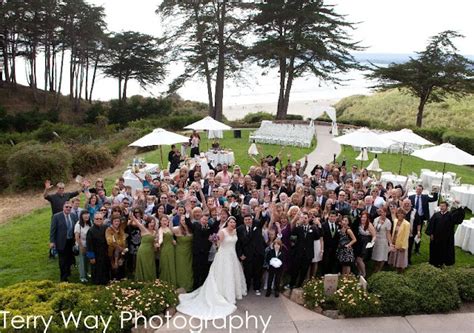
(24,240)
(396,109)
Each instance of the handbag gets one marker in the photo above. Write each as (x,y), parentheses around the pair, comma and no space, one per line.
(75,250)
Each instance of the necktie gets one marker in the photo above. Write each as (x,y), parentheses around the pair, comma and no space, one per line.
(248,229)
(332,229)
(418,206)
(69,226)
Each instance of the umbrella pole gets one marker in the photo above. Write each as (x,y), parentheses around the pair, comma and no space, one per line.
(401,160)
(441,187)
(161,154)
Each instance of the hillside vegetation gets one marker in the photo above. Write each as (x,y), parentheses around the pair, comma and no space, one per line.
(395,109)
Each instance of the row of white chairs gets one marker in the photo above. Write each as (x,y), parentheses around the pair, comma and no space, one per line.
(284,134)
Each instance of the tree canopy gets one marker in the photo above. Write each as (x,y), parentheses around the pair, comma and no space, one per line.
(437,72)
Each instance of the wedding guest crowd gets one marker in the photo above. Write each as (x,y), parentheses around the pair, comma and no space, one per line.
(291,224)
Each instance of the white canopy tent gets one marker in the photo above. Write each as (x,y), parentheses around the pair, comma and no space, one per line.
(445,153)
(159,137)
(406,136)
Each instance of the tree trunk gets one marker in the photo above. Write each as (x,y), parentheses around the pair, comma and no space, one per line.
(58,89)
(281,96)
(71,75)
(6,65)
(120,88)
(219,94)
(289,84)
(46,72)
(205,61)
(419,115)
(124,92)
(96,64)
(13,62)
(86,87)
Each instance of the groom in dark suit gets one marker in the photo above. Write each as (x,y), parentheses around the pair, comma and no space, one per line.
(304,250)
(201,247)
(61,237)
(251,249)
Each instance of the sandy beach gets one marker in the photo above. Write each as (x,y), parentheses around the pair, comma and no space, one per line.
(304,108)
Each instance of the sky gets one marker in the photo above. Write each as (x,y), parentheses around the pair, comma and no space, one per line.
(384,26)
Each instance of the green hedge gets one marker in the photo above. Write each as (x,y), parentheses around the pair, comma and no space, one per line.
(396,293)
(90,159)
(48,298)
(5,151)
(463,139)
(464,278)
(31,164)
(436,288)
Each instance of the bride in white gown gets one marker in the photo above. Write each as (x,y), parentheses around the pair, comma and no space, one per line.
(224,285)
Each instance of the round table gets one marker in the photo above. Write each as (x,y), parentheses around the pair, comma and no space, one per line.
(465,195)
(131,180)
(395,179)
(430,178)
(464,236)
(220,157)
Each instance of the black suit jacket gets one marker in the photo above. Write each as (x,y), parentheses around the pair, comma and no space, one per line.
(250,244)
(372,213)
(304,245)
(58,230)
(330,243)
(425,200)
(201,243)
(272,254)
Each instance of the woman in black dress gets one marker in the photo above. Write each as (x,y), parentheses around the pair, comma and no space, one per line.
(345,252)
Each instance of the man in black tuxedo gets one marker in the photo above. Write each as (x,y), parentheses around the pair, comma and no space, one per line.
(370,208)
(420,202)
(61,237)
(304,250)
(331,242)
(201,247)
(251,249)
(274,273)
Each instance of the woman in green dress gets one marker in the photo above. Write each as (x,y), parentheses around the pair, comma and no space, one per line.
(184,255)
(167,245)
(145,269)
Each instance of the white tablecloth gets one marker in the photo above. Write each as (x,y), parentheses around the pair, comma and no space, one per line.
(221,157)
(428,178)
(395,179)
(465,195)
(131,180)
(464,236)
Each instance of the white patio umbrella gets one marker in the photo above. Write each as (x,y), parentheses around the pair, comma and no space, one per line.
(363,138)
(159,137)
(208,124)
(406,136)
(374,165)
(445,153)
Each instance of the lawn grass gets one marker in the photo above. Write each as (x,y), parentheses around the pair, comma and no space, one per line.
(24,240)
(391,162)
(239,147)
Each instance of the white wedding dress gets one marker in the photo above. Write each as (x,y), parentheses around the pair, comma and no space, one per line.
(224,285)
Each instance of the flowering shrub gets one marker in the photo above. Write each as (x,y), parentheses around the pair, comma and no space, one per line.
(146,298)
(48,298)
(350,299)
(353,301)
(313,294)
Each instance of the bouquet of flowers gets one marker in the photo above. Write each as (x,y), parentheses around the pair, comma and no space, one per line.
(214,238)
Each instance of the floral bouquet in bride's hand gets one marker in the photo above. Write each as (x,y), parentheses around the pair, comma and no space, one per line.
(214,238)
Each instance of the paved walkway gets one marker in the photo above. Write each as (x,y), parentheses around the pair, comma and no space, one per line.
(289,317)
(325,148)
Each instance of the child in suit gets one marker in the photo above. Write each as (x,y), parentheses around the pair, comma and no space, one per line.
(274,259)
